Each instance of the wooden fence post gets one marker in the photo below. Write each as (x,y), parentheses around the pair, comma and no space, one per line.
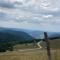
(47,45)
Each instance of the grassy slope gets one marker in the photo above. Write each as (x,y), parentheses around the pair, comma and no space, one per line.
(33,55)
(30,55)
(55,44)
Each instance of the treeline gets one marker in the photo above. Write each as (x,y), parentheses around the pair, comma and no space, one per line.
(4,46)
(11,38)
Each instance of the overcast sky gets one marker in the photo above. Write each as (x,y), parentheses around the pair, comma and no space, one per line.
(30,14)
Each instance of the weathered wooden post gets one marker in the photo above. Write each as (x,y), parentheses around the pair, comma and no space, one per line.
(47,45)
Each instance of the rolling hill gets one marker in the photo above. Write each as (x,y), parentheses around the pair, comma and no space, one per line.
(15,35)
(32,33)
(9,37)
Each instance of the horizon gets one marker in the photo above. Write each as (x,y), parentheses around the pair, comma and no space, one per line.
(22,29)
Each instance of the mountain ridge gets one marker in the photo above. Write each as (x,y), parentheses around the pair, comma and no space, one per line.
(33,33)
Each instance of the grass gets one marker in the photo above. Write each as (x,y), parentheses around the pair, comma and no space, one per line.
(24,46)
(30,55)
(54,44)
(33,54)
(17,55)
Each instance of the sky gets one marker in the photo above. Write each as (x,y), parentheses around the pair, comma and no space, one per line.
(30,14)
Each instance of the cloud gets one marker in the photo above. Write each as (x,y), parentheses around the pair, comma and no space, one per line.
(39,5)
(6,4)
(47,16)
(29,14)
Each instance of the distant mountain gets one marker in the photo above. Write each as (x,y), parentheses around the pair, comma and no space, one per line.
(8,34)
(23,33)
(40,34)
(37,34)
(10,37)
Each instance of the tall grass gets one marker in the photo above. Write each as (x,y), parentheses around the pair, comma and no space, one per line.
(30,55)
(33,55)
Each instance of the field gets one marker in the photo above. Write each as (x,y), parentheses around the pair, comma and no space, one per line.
(30,55)
(33,53)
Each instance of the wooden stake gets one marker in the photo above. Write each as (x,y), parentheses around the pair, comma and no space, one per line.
(47,45)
